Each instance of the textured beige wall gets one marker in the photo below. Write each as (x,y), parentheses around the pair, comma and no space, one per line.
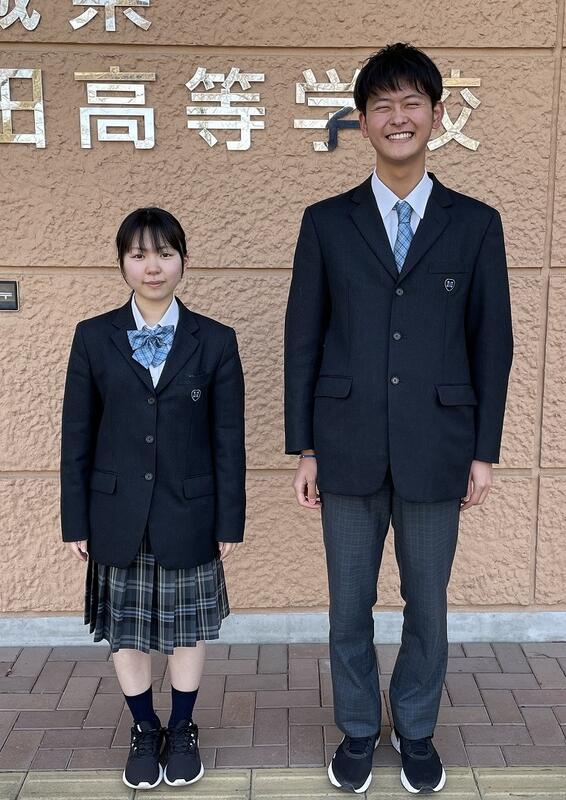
(241,210)
(296,24)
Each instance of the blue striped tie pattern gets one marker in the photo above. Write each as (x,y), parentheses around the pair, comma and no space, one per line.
(404,233)
(151,345)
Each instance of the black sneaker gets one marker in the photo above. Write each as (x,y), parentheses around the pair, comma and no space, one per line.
(143,770)
(350,767)
(183,764)
(422,768)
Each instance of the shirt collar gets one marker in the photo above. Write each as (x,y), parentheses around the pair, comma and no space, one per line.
(386,199)
(171,316)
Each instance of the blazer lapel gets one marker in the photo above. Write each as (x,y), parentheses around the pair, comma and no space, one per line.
(184,345)
(435,219)
(124,321)
(367,219)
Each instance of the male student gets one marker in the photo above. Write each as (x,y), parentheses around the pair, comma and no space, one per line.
(398,350)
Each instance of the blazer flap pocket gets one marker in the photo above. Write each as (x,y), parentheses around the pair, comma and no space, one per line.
(461,394)
(447,266)
(196,379)
(333,386)
(198,486)
(102,481)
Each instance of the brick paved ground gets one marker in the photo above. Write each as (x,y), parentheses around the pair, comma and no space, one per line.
(271,706)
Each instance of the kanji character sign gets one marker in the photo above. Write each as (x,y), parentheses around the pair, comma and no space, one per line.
(453,130)
(110,7)
(225,98)
(18,12)
(331,94)
(118,117)
(35,105)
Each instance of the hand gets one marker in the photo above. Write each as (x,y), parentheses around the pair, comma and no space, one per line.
(479,484)
(226,548)
(305,483)
(79,549)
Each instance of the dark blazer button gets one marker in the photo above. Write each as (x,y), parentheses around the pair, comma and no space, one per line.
(394,380)
(399,291)
(397,336)
(148,476)
(149,439)
(151,400)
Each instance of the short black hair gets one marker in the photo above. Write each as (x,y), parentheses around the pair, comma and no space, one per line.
(161,227)
(394,66)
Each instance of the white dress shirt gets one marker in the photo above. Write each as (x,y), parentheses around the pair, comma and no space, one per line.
(386,199)
(171,317)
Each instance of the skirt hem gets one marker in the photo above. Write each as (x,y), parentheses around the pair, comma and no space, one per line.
(160,648)
(148,607)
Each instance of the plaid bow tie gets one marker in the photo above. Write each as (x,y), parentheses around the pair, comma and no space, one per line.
(151,345)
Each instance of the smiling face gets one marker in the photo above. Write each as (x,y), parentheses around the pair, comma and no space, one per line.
(399,123)
(152,270)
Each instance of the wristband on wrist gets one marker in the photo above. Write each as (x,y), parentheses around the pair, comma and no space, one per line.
(307,455)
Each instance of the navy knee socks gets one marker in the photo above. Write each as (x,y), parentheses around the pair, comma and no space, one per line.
(182,705)
(141,706)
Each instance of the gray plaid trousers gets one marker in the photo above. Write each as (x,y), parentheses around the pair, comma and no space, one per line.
(425,542)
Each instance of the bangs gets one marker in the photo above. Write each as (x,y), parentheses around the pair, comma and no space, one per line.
(395,67)
(148,228)
(396,81)
(147,237)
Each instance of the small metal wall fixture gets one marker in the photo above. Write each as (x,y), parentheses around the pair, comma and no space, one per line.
(9,300)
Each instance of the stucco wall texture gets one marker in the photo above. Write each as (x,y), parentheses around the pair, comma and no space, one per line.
(61,207)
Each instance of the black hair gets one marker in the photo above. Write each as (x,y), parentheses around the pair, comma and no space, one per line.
(161,226)
(393,67)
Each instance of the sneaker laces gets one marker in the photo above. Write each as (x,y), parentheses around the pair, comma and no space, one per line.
(183,738)
(358,746)
(419,748)
(145,743)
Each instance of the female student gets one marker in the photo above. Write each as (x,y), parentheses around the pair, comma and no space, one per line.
(152,486)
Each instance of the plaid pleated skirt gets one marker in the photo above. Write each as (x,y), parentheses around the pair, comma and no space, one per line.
(145,606)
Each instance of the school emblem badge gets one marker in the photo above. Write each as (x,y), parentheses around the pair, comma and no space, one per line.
(195,394)
(449,284)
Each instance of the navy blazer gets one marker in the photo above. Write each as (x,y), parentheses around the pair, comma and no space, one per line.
(407,371)
(170,459)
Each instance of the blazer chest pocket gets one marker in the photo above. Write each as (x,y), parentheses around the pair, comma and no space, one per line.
(457,394)
(103,481)
(448,266)
(197,380)
(333,386)
(198,486)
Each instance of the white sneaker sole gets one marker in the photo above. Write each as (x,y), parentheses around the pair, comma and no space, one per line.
(335,782)
(182,781)
(143,784)
(404,780)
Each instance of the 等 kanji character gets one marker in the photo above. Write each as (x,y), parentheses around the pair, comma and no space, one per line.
(225,97)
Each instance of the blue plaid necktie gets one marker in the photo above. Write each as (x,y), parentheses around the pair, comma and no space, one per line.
(151,345)
(404,233)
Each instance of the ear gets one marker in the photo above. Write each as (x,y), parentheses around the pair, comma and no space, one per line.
(363,124)
(437,113)
(125,279)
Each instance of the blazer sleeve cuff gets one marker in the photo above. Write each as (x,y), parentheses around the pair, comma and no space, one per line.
(490,457)
(294,447)
(235,538)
